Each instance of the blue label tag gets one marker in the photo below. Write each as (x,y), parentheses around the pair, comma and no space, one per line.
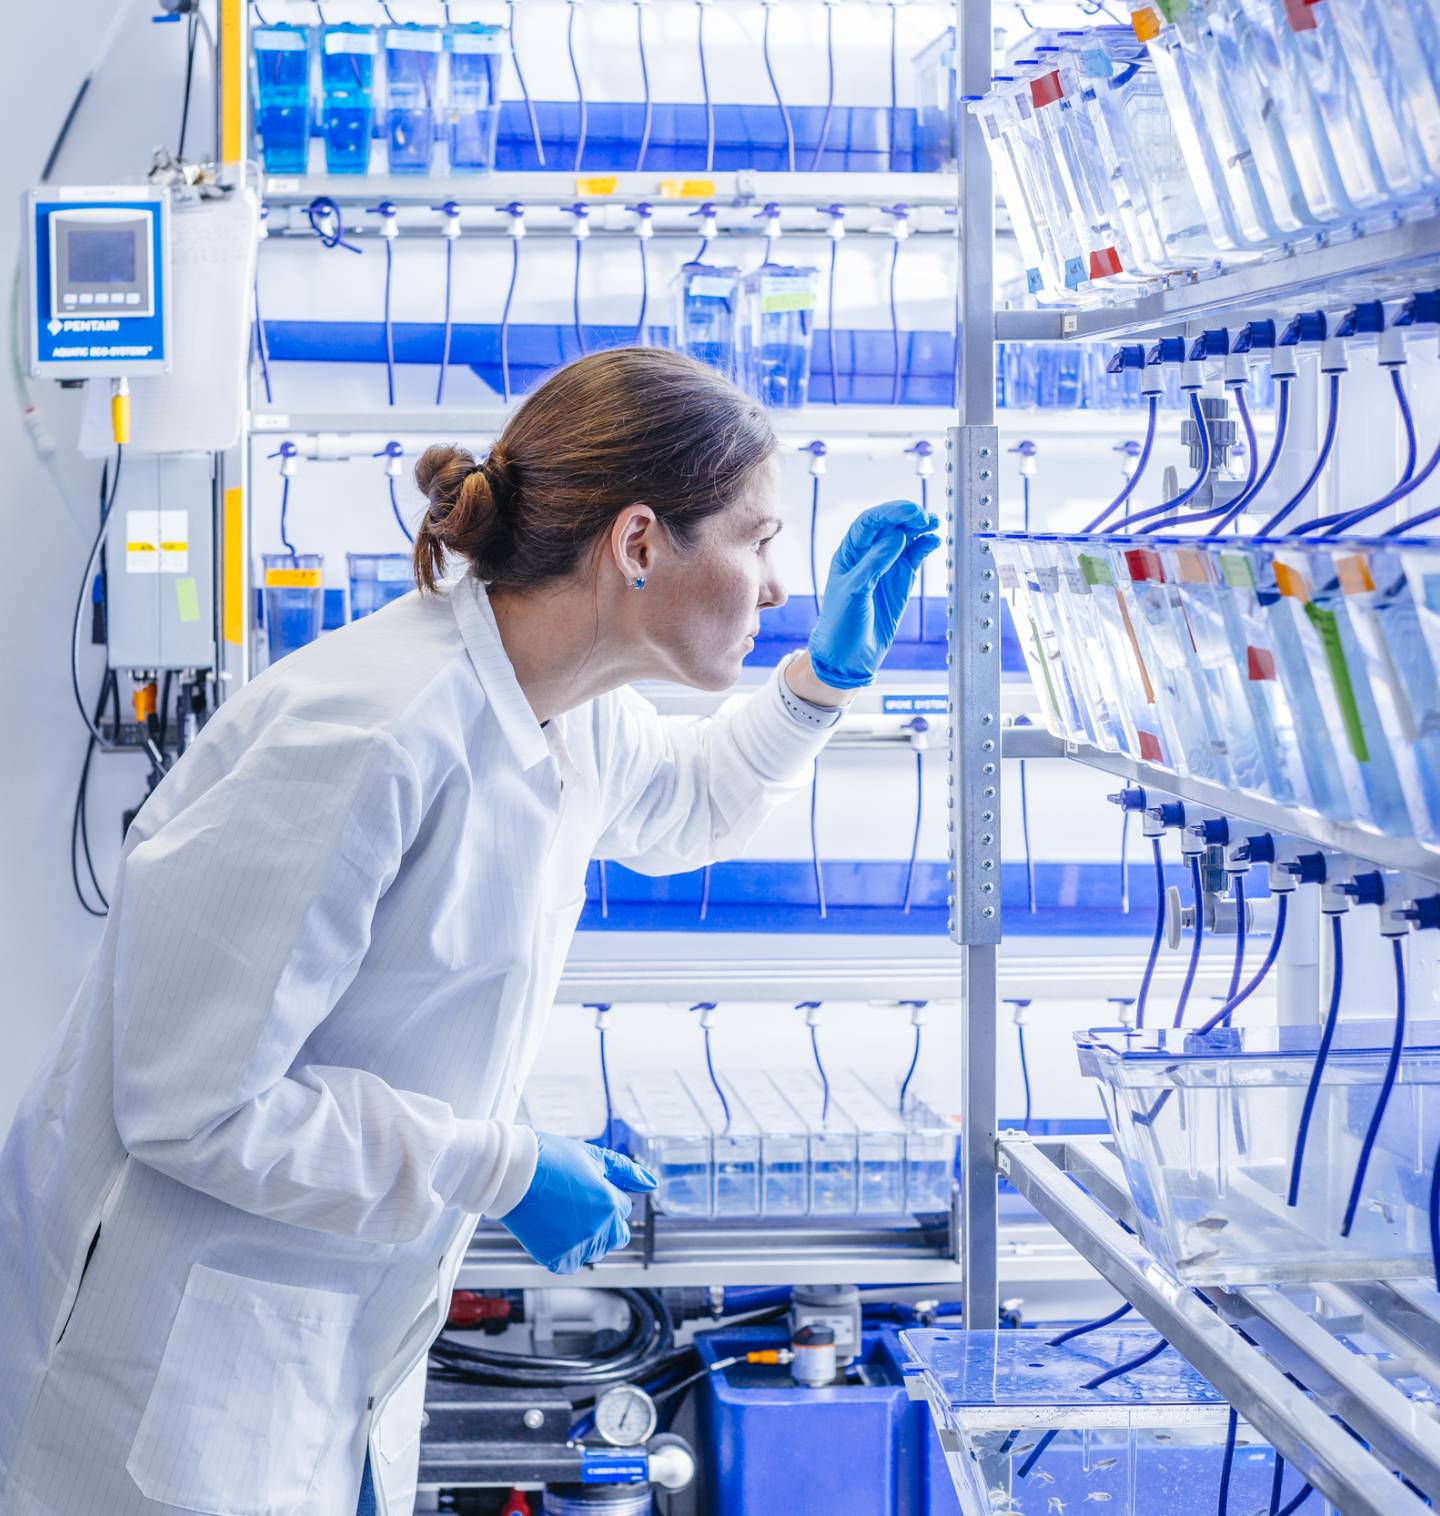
(1095,61)
(614,1468)
(915,705)
(1034,281)
(1074,273)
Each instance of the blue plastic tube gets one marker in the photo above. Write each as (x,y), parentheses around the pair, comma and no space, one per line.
(1332,425)
(1327,1036)
(1151,422)
(1382,1100)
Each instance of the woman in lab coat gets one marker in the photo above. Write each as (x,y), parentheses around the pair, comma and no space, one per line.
(236,1195)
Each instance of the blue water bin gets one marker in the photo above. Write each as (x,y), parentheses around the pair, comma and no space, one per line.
(347,74)
(472,118)
(376,579)
(282,96)
(775,334)
(294,600)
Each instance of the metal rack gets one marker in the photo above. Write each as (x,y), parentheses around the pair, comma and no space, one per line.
(1276,1356)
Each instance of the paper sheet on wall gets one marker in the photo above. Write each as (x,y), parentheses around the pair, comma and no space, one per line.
(199,405)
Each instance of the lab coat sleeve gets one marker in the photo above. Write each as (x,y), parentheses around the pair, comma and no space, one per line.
(243,918)
(683,793)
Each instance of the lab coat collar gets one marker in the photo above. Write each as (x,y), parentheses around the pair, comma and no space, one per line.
(476,619)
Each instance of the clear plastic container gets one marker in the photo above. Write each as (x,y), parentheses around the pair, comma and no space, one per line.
(376,579)
(1027,208)
(775,333)
(568,1107)
(931,1144)
(414,105)
(670,1136)
(784,1143)
(734,1149)
(707,306)
(294,598)
(1207,1129)
(936,142)
(834,1179)
(282,96)
(477,63)
(1022,1432)
(880,1141)
(347,76)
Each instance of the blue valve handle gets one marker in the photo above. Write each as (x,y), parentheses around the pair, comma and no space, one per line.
(577,1208)
(871,576)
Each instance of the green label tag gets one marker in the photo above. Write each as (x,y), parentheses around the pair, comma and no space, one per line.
(787,300)
(187,600)
(1170,9)
(1095,570)
(1236,571)
(1328,629)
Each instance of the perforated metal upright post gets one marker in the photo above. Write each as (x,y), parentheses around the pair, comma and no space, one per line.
(972,499)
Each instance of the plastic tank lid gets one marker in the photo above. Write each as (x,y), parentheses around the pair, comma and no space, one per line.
(1369,1037)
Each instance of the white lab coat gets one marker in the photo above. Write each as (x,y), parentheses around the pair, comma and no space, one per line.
(235,1197)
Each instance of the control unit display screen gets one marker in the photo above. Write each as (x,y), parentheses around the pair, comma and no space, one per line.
(101,257)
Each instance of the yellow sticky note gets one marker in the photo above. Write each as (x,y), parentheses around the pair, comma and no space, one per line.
(187,599)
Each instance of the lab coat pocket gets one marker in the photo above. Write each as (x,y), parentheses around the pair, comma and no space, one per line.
(241,1410)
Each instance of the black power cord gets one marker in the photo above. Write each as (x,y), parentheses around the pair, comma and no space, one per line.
(193,27)
(95,549)
(79,822)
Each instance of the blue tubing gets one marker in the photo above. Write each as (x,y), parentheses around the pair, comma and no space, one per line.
(1294,1504)
(1382,1100)
(1227,1010)
(894,317)
(505,319)
(1090,1326)
(644,291)
(609,1139)
(1157,937)
(525,93)
(1227,1466)
(705,87)
(389,328)
(1252,471)
(910,1072)
(1124,863)
(1024,1074)
(1238,967)
(285,516)
(1150,424)
(824,137)
(445,339)
(814,523)
(395,508)
(1189,492)
(1435,1218)
(645,84)
(915,839)
(1092,1384)
(816,866)
(824,1078)
(1354,518)
(1197,894)
(261,345)
(830,329)
(1332,423)
(1277,1485)
(714,1079)
(1277,446)
(575,292)
(1332,1017)
(1025,837)
(1407,420)
(582,125)
(775,90)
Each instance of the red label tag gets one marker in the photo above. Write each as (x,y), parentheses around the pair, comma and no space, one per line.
(1046,90)
(1104,262)
(1297,13)
(1150,749)
(1259,663)
(1144,563)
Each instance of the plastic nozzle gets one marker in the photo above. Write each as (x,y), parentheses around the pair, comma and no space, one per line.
(1132,799)
(120,412)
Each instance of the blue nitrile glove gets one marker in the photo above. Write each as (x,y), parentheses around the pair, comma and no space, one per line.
(870,579)
(576,1208)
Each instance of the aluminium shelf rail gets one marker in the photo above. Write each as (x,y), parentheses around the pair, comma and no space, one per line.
(1281,1366)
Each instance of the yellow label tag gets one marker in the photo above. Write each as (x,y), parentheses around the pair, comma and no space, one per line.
(1291,582)
(597,184)
(233,602)
(174,547)
(1146,23)
(686,189)
(294,579)
(139,547)
(1190,566)
(1354,575)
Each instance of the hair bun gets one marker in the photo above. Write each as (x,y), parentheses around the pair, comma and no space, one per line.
(500,476)
(440,475)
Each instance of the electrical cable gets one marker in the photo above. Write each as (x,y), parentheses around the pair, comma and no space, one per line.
(649,115)
(96,547)
(1277,445)
(1202,473)
(1382,1099)
(824,1078)
(445,339)
(705,91)
(1327,1036)
(575,296)
(910,1072)
(1332,423)
(915,838)
(1151,421)
(395,507)
(1197,894)
(824,138)
(79,823)
(525,92)
(584,110)
(1090,1326)
(1156,938)
(894,318)
(1227,1465)
(830,311)
(505,319)
(1227,1010)
(192,31)
(775,88)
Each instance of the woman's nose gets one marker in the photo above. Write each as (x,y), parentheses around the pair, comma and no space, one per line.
(772,594)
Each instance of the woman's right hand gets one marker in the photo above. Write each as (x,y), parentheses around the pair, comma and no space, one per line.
(578,1205)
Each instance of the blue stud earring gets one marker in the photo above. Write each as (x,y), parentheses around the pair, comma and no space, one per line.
(639,584)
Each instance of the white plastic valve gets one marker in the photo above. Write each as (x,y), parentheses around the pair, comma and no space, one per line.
(672,1467)
(602,1018)
(644,227)
(289,465)
(709,223)
(1152,379)
(1029,465)
(1237,368)
(816,465)
(450,227)
(1192,375)
(924,464)
(1282,363)
(835,231)
(516,225)
(389,222)
(580,229)
(899,227)
(1390,350)
(394,462)
(1333,357)
(770,223)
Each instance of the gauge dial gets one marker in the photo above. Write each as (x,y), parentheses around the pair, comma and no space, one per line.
(625,1416)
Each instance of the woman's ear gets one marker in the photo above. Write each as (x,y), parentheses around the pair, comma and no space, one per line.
(632,542)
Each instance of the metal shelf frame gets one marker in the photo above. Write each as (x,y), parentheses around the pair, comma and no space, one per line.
(1282,1367)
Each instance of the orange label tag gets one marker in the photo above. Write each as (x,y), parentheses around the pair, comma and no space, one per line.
(687,189)
(1190,567)
(293,579)
(597,184)
(1354,575)
(1291,582)
(1146,23)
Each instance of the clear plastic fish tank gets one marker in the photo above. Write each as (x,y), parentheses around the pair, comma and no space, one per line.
(294,600)
(472,116)
(347,76)
(1208,1129)
(1024,1431)
(936,142)
(282,96)
(775,334)
(413,102)
(707,315)
(376,579)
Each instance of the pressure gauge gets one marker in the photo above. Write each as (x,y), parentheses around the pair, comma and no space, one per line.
(625,1416)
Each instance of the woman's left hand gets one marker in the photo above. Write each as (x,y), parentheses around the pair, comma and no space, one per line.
(871,576)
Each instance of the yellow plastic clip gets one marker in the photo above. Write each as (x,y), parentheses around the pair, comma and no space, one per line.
(144,702)
(769,1355)
(120,411)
